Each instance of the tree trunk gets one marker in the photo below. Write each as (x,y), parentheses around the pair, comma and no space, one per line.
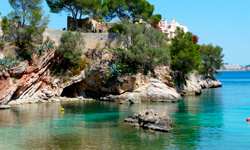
(76,24)
(118,15)
(212,75)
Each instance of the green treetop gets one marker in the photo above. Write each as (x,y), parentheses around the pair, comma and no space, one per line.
(116,8)
(28,24)
(28,18)
(70,49)
(155,19)
(185,54)
(78,8)
(129,9)
(6,28)
(212,60)
(143,48)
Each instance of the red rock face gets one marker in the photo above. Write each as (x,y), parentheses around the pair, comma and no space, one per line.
(30,80)
(3,83)
(7,89)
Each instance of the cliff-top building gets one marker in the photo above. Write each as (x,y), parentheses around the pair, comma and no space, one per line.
(169,29)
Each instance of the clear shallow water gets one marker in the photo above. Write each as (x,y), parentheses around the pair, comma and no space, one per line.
(214,120)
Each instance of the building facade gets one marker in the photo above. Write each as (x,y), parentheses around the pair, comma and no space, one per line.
(169,29)
(227,66)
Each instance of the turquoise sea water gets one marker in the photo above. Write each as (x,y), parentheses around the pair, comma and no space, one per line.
(214,120)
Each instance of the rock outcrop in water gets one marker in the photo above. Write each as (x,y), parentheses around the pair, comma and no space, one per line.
(151,121)
(195,83)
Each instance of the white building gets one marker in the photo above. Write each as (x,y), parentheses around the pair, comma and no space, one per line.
(231,67)
(169,29)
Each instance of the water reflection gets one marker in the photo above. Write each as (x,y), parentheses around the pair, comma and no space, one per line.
(99,125)
(20,115)
(198,119)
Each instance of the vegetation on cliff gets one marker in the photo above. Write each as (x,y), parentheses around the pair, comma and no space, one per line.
(212,60)
(78,8)
(70,53)
(6,29)
(137,70)
(185,54)
(143,48)
(24,25)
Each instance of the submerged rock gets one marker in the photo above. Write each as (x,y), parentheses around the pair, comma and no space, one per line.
(151,121)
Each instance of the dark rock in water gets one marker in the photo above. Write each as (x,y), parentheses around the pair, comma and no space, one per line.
(4,106)
(150,120)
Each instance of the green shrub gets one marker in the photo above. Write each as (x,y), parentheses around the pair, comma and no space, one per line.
(75,71)
(212,60)
(41,48)
(98,45)
(70,49)
(8,63)
(185,54)
(45,47)
(49,45)
(116,28)
(107,44)
(114,70)
(143,48)
(82,64)
(124,68)
(30,23)
(65,79)
(2,44)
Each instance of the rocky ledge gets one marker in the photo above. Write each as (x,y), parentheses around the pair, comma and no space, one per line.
(151,121)
(4,106)
(195,83)
(154,91)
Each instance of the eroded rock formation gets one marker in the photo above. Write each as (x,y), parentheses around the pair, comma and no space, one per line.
(24,82)
(195,83)
(154,91)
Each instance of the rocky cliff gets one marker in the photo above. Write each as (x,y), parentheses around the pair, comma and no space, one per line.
(195,83)
(31,83)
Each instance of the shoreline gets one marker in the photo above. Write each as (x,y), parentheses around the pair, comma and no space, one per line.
(233,70)
(62,100)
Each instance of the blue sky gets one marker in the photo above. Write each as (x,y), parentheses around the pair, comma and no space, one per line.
(220,22)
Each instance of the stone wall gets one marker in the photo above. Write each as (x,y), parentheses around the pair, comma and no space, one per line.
(92,40)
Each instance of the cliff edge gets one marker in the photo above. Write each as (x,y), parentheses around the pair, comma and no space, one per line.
(30,83)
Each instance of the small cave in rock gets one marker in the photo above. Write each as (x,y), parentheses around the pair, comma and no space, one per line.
(15,95)
(79,89)
(71,91)
(85,90)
